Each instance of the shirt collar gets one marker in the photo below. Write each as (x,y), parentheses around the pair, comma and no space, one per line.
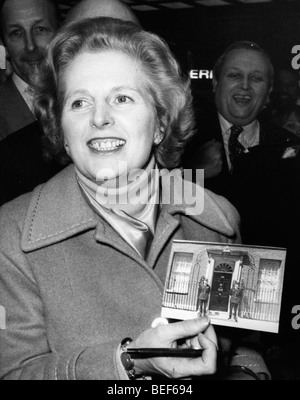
(249,136)
(23,87)
(20,84)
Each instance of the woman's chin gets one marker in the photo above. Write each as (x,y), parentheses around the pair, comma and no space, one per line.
(107,176)
(102,172)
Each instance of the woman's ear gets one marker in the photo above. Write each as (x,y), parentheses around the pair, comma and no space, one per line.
(66,147)
(159,135)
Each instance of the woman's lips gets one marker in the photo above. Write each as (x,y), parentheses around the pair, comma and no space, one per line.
(106,145)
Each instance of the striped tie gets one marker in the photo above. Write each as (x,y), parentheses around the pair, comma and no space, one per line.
(235,148)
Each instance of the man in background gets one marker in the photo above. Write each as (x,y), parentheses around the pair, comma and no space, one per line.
(286,88)
(256,165)
(250,162)
(27,27)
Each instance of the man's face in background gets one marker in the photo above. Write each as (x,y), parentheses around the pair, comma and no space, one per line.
(243,86)
(28,26)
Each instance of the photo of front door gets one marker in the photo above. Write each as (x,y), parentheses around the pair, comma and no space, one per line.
(221,284)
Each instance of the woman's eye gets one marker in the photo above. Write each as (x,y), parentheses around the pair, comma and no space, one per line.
(77,104)
(122,99)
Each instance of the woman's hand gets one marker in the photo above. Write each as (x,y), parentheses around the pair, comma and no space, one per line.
(195,333)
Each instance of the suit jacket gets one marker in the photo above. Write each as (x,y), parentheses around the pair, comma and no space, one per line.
(264,185)
(14,112)
(73,288)
(23,164)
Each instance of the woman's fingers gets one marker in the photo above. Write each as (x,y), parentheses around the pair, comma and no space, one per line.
(188,367)
(208,360)
(196,333)
(183,329)
(211,334)
(199,333)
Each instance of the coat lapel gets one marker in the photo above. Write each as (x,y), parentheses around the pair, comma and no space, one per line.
(211,216)
(58,211)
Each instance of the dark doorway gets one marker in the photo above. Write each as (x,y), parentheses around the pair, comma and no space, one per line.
(221,284)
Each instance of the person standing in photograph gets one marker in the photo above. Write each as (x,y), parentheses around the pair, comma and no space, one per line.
(204,291)
(236,294)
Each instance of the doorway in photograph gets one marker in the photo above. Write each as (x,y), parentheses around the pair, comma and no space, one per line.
(221,285)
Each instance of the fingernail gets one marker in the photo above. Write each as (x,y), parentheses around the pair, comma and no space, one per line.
(206,320)
(159,321)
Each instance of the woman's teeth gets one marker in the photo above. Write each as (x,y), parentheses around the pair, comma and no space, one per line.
(106,145)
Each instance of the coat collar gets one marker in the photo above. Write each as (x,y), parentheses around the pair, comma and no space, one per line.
(205,211)
(58,211)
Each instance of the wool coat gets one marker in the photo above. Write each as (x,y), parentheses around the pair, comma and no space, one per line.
(72,288)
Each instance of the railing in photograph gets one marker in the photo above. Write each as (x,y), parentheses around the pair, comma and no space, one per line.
(259,304)
(181,293)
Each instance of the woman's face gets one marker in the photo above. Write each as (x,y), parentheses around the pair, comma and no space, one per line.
(108,121)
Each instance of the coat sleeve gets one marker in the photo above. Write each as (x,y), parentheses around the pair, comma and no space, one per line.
(25,352)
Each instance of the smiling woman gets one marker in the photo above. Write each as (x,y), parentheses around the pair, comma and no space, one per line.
(104,125)
(137,87)
(77,277)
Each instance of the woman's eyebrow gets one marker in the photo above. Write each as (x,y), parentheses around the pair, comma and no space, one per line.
(77,92)
(124,87)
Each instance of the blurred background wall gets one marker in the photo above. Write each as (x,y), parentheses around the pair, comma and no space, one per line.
(199,30)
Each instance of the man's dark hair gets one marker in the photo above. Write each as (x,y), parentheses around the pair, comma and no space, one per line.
(243,45)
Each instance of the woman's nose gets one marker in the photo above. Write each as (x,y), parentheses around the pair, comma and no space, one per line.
(101,117)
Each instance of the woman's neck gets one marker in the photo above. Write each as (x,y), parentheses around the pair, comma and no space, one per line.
(131,196)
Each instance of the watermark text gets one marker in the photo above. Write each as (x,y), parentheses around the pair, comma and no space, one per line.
(2,318)
(177,188)
(296,318)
